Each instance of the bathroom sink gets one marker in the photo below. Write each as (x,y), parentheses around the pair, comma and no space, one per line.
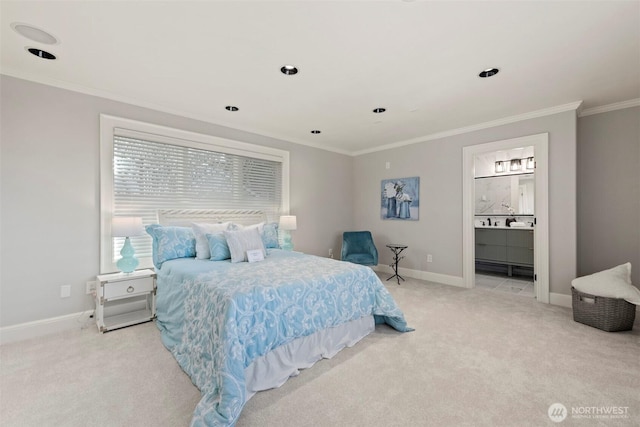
(518,224)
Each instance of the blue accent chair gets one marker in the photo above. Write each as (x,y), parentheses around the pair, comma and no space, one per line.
(358,248)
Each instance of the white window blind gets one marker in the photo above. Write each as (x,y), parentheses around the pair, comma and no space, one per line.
(146,167)
(149,175)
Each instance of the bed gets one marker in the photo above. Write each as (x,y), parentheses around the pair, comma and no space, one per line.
(241,327)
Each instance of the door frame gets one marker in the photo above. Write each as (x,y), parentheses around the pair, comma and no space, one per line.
(540,142)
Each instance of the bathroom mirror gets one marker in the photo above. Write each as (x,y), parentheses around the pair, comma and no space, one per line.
(508,195)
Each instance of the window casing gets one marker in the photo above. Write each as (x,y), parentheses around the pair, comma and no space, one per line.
(147,167)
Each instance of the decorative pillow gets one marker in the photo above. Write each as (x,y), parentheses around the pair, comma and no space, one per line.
(201,230)
(171,243)
(612,283)
(218,247)
(270,235)
(235,226)
(242,241)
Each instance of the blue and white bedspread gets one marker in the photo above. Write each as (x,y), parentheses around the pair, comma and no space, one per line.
(217,317)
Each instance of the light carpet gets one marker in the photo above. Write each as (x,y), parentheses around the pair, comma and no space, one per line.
(477,358)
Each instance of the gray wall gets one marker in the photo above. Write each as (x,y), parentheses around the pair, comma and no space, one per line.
(50,194)
(609,191)
(439,165)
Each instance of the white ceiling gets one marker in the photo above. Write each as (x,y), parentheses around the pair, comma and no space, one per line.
(420,60)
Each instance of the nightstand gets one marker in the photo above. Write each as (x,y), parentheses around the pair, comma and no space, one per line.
(125,299)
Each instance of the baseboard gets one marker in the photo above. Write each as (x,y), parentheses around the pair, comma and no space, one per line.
(445,279)
(560,299)
(39,328)
(554,298)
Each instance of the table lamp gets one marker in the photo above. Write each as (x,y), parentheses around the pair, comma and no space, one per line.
(287,224)
(127,226)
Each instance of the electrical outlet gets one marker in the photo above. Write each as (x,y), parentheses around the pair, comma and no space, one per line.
(65,291)
(429,258)
(91,287)
(330,252)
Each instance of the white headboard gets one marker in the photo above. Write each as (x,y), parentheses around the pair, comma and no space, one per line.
(184,217)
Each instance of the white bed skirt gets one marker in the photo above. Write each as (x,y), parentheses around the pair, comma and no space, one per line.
(274,368)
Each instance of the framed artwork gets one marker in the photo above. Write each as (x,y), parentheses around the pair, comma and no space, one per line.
(400,199)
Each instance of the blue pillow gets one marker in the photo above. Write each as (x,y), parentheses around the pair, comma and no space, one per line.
(171,243)
(270,235)
(218,247)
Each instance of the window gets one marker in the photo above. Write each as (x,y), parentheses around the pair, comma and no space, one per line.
(147,167)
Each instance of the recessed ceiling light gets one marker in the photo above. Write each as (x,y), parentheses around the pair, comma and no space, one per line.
(489,72)
(41,53)
(379,110)
(231,108)
(33,33)
(289,70)
(315,131)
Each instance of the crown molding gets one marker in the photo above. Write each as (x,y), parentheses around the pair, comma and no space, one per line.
(610,107)
(573,106)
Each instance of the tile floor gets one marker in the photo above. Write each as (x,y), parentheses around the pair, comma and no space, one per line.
(522,286)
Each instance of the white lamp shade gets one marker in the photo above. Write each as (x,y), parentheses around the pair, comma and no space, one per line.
(531,163)
(288,222)
(126,226)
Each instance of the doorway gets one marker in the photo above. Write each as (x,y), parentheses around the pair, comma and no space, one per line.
(476,163)
(504,213)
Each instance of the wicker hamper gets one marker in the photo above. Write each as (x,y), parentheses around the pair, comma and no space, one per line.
(608,314)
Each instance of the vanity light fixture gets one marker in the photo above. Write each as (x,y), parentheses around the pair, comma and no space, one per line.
(499,167)
(289,70)
(489,72)
(379,110)
(516,165)
(231,108)
(531,164)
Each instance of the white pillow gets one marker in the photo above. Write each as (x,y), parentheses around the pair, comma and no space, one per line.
(612,283)
(259,226)
(241,241)
(201,230)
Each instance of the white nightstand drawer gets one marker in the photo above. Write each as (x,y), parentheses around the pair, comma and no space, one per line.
(127,288)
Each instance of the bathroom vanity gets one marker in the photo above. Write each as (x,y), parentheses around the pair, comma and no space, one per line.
(505,245)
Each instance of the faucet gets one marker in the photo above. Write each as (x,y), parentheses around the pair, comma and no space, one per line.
(489,219)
